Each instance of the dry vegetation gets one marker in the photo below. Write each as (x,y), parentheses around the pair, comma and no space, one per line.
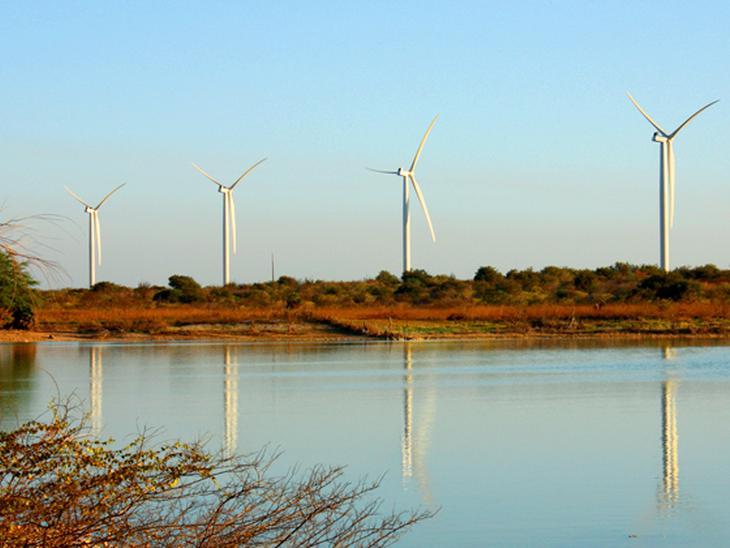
(61,487)
(619,300)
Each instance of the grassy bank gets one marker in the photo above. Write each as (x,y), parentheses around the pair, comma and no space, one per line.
(622,300)
(394,322)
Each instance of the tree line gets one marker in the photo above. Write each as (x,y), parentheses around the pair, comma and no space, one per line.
(619,283)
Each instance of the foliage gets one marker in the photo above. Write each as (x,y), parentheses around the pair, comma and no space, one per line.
(184,290)
(487,274)
(59,488)
(18,298)
(293,300)
(122,309)
(107,287)
(672,286)
(287,281)
(386,278)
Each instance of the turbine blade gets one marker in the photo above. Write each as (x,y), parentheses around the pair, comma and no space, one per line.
(79,199)
(232,212)
(420,148)
(208,176)
(97,226)
(107,196)
(652,122)
(670,161)
(381,171)
(249,170)
(688,119)
(423,205)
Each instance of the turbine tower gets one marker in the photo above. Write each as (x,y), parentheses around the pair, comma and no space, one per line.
(666,180)
(94,232)
(410,174)
(229,211)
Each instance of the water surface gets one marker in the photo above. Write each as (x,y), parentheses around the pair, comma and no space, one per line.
(567,443)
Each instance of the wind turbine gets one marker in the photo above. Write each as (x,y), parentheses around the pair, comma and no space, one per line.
(229,210)
(94,232)
(666,179)
(410,174)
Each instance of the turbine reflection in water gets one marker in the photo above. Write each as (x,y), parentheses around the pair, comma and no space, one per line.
(407,441)
(416,439)
(95,388)
(669,496)
(230,403)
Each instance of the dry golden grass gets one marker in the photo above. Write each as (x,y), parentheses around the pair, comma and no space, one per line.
(144,318)
(531,312)
(404,321)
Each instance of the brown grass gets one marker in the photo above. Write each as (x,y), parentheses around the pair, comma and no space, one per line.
(402,321)
(532,312)
(146,319)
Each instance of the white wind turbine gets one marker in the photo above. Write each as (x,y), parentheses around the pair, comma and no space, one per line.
(229,211)
(94,232)
(406,207)
(666,180)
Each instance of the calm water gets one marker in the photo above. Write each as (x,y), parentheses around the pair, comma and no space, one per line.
(543,444)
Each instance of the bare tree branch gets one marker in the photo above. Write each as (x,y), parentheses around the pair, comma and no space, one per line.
(61,487)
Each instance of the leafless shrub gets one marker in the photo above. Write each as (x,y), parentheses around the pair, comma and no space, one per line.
(59,487)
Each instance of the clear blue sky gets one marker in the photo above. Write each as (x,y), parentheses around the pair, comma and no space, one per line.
(538,157)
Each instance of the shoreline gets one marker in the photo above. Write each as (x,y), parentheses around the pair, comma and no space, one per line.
(320,332)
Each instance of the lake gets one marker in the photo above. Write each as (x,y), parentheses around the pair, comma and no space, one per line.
(540,443)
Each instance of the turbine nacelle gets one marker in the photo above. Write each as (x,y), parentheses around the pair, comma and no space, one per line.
(658,138)
(403,172)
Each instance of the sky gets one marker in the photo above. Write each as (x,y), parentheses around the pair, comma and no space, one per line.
(537,158)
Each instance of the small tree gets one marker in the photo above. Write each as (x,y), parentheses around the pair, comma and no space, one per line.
(18,298)
(386,278)
(184,290)
(60,488)
(487,274)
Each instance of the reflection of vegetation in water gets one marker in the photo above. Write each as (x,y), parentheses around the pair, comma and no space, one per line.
(16,366)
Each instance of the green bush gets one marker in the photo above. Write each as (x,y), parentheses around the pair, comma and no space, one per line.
(18,298)
(386,278)
(488,274)
(190,290)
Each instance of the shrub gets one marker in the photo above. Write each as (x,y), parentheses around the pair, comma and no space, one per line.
(293,300)
(670,286)
(287,281)
(106,287)
(168,296)
(585,280)
(59,488)
(386,278)
(189,290)
(18,298)
(487,274)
